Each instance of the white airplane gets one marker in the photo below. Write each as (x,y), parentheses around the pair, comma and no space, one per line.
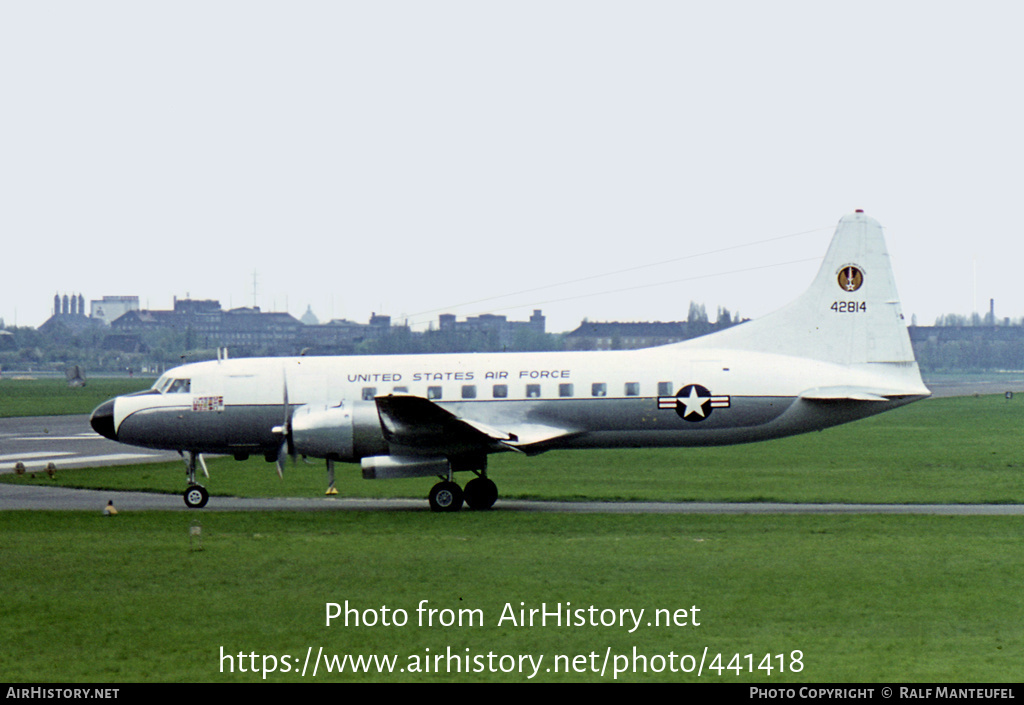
(838,353)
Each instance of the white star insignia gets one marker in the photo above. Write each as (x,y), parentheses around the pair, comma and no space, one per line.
(694,403)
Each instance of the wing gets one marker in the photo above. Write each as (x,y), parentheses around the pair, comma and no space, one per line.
(419,425)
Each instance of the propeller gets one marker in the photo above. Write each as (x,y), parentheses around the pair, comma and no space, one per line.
(287,447)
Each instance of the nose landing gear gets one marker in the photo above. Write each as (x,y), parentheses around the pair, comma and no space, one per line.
(196,495)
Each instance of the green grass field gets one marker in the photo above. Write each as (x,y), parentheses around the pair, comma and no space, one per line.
(862,598)
(50,397)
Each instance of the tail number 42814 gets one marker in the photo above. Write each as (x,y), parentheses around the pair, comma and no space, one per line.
(849,306)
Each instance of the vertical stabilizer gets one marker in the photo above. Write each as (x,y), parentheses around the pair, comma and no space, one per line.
(850,315)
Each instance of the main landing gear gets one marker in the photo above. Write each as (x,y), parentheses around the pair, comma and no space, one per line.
(447,496)
(196,495)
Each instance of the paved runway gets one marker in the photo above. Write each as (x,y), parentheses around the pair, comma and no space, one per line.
(67,442)
(21,497)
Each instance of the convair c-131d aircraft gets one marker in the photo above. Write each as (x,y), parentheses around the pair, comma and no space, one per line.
(838,353)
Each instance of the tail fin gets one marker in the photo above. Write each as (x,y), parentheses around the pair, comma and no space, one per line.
(850,315)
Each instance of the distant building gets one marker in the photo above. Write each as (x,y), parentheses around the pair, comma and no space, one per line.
(631,336)
(309,318)
(625,336)
(110,308)
(205,325)
(499,327)
(337,337)
(968,347)
(68,316)
(962,334)
(68,306)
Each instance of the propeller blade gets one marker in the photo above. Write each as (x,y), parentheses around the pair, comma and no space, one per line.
(280,461)
(287,410)
(289,441)
(287,447)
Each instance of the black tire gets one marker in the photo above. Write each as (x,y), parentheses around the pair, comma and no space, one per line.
(481,493)
(445,497)
(196,497)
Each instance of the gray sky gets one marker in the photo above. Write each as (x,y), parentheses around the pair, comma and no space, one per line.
(409,157)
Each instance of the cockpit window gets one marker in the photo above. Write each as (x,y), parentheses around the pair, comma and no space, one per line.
(180,386)
(170,385)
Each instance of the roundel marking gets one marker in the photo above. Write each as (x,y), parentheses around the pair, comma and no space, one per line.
(694,402)
(851,278)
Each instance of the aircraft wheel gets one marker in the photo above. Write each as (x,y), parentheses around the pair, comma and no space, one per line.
(445,497)
(481,493)
(196,497)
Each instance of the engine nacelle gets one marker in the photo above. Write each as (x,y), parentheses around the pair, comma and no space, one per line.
(387,467)
(324,431)
(344,432)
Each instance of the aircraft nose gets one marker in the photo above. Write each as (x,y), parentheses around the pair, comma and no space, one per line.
(102,420)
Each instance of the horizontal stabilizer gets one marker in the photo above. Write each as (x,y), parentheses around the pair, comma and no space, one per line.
(852,394)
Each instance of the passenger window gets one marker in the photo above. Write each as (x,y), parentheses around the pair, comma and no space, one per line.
(632,389)
(532,391)
(664,389)
(400,390)
(433,392)
(598,389)
(469,391)
(369,393)
(565,390)
(500,391)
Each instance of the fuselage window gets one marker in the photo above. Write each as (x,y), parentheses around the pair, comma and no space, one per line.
(180,386)
(565,390)
(532,391)
(369,393)
(664,389)
(433,392)
(500,391)
(598,389)
(469,391)
(400,390)
(632,389)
